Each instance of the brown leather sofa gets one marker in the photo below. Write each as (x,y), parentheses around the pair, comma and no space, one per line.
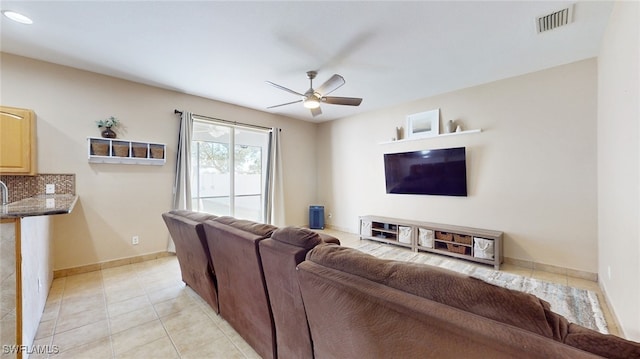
(358,305)
(187,232)
(289,295)
(242,292)
(253,267)
(281,253)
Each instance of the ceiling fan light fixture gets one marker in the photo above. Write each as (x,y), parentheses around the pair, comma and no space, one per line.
(311,102)
(17,17)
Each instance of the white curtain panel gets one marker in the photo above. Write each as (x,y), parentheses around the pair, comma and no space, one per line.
(182,183)
(274,204)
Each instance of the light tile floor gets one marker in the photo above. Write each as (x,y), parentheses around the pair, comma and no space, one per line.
(144,310)
(140,310)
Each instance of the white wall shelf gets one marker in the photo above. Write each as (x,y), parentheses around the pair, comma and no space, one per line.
(117,151)
(432,137)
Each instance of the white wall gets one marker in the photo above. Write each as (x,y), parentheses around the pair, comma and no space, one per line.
(531,172)
(119,201)
(619,166)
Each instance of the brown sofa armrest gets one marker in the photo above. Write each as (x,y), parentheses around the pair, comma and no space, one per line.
(302,237)
(296,236)
(326,238)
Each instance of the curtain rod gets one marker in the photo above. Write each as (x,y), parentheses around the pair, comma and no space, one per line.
(176,111)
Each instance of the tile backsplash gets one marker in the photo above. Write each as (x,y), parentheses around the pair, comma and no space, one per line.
(21,187)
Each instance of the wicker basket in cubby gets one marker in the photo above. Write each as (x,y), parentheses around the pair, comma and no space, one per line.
(444,236)
(462,239)
(100,148)
(157,152)
(460,249)
(121,150)
(139,151)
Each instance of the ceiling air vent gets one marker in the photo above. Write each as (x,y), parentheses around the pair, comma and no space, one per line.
(555,19)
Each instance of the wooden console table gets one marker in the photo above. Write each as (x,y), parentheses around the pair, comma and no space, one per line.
(474,244)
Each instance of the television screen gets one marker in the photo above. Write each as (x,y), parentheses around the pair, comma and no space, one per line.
(431,172)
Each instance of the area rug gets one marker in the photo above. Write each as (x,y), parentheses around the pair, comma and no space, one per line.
(577,305)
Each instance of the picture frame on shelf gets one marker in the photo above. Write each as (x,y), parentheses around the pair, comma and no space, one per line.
(423,124)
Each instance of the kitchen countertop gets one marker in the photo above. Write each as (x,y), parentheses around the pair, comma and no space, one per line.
(41,205)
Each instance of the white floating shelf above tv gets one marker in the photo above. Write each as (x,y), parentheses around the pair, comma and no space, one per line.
(436,136)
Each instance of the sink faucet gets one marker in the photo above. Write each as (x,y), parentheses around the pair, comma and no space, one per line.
(5,193)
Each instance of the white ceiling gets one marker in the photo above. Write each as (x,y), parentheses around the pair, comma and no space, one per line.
(388,52)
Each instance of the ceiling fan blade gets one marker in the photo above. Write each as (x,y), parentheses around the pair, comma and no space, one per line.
(349,101)
(316,111)
(330,85)
(283,88)
(284,104)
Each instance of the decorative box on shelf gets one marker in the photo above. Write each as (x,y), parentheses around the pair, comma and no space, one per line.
(108,150)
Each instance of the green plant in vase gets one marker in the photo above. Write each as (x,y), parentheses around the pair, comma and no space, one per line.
(106,125)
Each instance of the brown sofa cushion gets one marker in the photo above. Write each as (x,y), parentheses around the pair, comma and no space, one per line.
(608,346)
(469,294)
(194,216)
(259,229)
(242,294)
(352,317)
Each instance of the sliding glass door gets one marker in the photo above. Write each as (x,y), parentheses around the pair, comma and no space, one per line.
(228,167)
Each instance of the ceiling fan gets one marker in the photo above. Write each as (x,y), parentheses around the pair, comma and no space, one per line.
(312,98)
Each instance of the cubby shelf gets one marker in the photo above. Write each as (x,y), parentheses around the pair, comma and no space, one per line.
(117,151)
(474,244)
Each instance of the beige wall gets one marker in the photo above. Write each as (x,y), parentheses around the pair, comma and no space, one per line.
(531,172)
(618,166)
(120,201)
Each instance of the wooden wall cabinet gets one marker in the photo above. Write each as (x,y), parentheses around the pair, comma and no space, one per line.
(17,141)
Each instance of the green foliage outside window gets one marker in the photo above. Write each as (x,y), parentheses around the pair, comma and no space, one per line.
(216,155)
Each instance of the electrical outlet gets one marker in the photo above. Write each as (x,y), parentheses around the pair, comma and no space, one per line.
(609,272)
(50,203)
(330,215)
(135,240)
(50,188)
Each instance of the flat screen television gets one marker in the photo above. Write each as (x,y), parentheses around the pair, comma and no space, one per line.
(430,172)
